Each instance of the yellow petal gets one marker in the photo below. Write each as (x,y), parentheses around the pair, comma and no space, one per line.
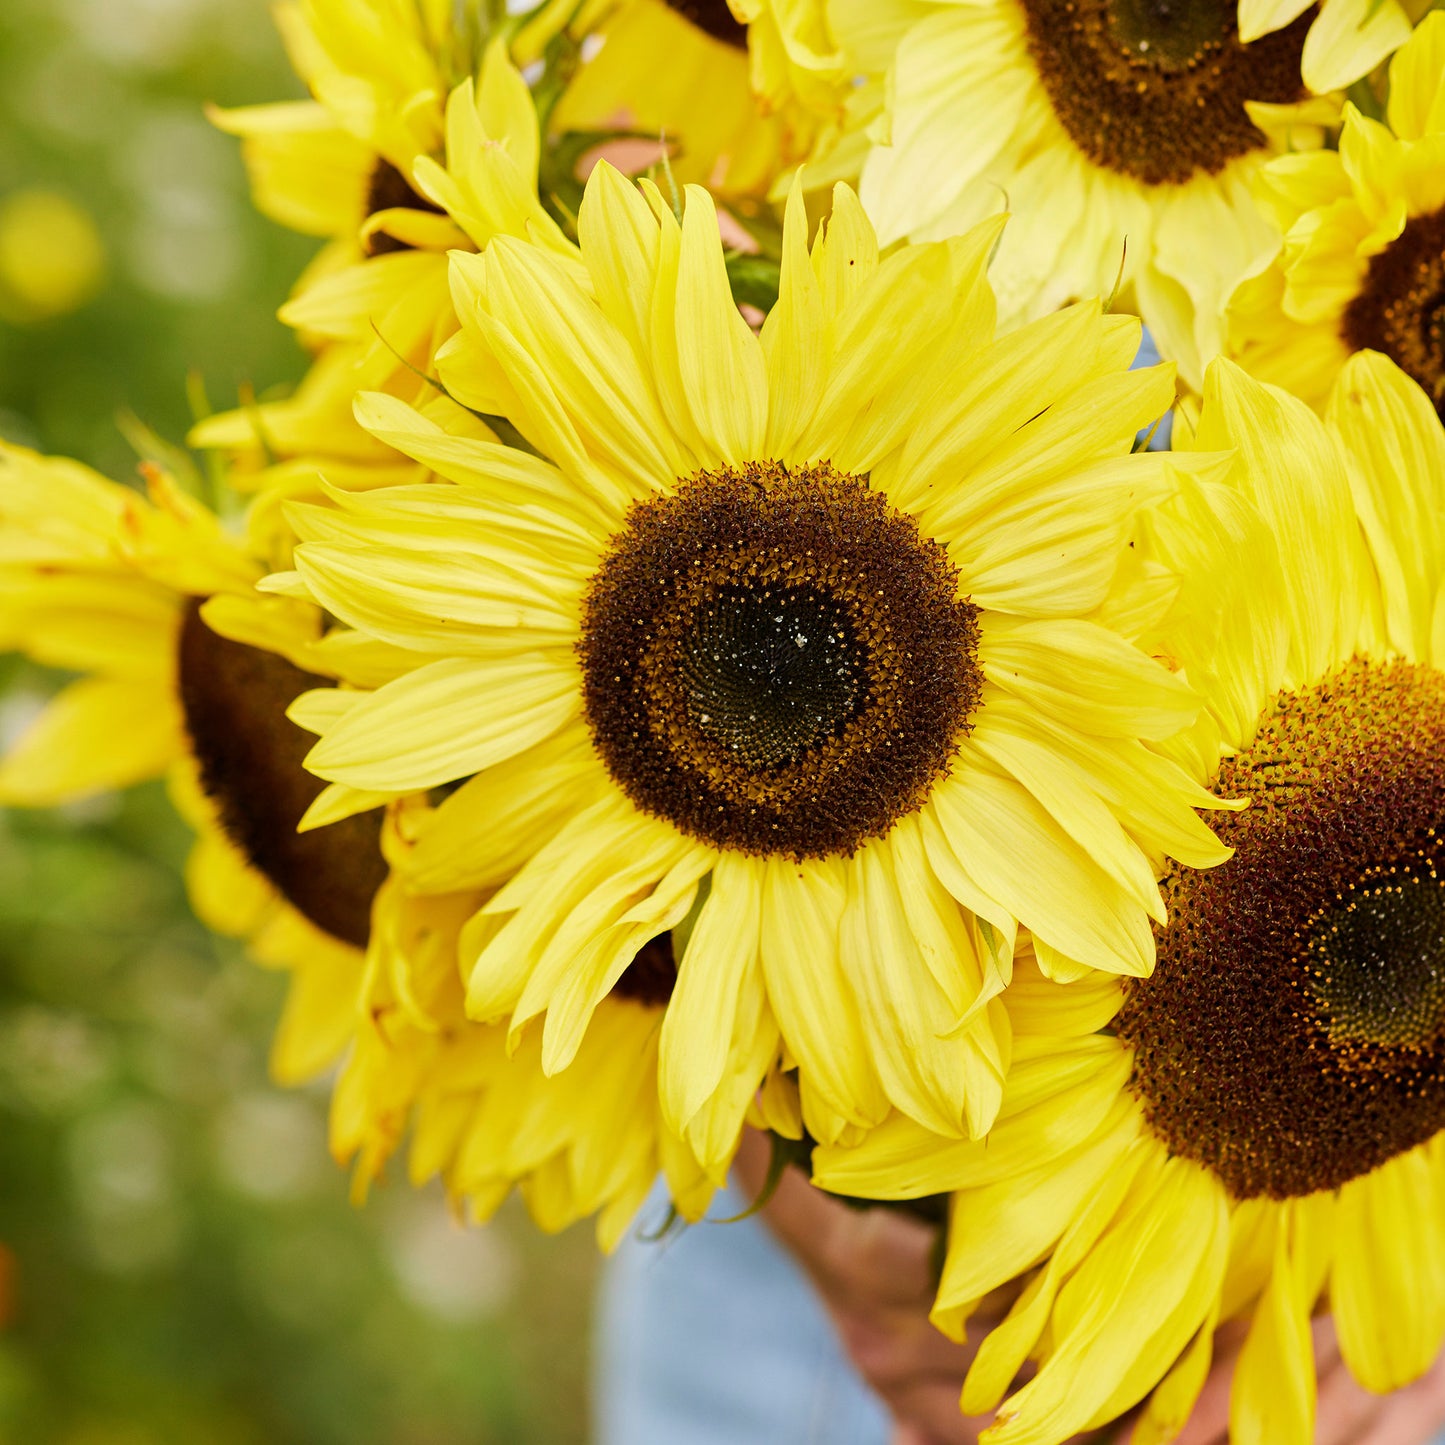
(1392,438)
(1349,39)
(812,997)
(447,720)
(95,734)
(720,361)
(1387,1286)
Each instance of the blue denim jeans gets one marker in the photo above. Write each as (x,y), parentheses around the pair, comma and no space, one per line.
(713,1336)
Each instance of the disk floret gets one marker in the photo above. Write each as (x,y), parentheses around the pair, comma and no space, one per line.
(1156,91)
(1293,1035)
(1400,307)
(777,661)
(234,698)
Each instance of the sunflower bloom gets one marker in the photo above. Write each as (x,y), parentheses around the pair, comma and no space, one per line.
(339,165)
(1363,260)
(741,94)
(1104,127)
(1263,1128)
(817,621)
(378,315)
(185,674)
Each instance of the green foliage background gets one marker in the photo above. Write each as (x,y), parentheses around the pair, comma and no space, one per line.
(179,1254)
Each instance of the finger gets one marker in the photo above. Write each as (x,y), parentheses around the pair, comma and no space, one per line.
(891,1349)
(751,1163)
(873,1255)
(1411,1416)
(1344,1410)
(881,1254)
(884,1256)
(1208,1422)
(930,1409)
(908,1435)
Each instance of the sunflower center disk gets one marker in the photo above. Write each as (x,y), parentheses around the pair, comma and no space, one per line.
(1380,962)
(1155,89)
(1400,309)
(715,18)
(777,662)
(389,190)
(249,754)
(1292,1037)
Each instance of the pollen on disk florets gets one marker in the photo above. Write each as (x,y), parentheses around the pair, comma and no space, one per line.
(777,661)
(1156,89)
(1292,1037)
(249,756)
(1400,309)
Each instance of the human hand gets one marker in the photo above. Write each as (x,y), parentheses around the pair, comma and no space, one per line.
(873,1269)
(1346,1413)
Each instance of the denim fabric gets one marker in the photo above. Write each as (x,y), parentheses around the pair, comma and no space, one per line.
(712,1336)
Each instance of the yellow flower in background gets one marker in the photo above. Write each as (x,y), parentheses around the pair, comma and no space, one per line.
(380,319)
(1347,38)
(745,92)
(340,165)
(1363,259)
(1096,123)
(798,648)
(52,258)
(185,673)
(1263,1128)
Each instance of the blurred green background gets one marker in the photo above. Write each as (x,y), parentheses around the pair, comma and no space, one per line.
(178,1259)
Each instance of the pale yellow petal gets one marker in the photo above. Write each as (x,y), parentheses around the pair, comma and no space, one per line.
(447,720)
(95,734)
(1387,1285)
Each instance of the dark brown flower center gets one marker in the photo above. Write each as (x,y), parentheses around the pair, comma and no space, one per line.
(1292,1037)
(249,754)
(777,662)
(1400,309)
(715,18)
(389,190)
(652,975)
(1156,89)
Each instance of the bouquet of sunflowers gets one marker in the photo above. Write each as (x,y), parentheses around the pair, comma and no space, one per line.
(725,638)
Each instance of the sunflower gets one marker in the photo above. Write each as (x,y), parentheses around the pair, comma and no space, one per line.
(339,165)
(1263,1127)
(1103,125)
(185,673)
(1347,38)
(589,1141)
(1363,260)
(808,649)
(747,89)
(378,319)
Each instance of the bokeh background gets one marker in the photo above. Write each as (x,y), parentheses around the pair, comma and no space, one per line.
(179,1260)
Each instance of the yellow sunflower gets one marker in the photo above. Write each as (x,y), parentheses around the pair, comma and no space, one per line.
(1363,259)
(746,90)
(185,673)
(1347,38)
(1101,124)
(812,645)
(378,319)
(339,165)
(1263,1127)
